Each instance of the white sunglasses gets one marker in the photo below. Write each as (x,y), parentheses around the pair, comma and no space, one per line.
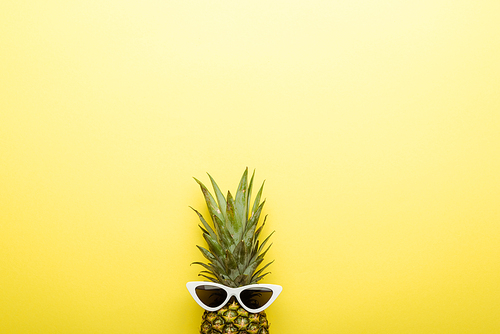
(254,298)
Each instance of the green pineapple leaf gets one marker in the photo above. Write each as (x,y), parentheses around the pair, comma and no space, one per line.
(257,200)
(249,197)
(240,201)
(205,224)
(211,204)
(223,234)
(258,272)
(220,197)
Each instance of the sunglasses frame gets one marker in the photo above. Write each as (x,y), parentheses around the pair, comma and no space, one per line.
(276,289)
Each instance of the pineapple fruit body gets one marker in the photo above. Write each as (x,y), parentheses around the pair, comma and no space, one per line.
(233,319)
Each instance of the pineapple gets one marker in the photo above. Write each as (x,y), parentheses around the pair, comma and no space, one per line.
(234,253)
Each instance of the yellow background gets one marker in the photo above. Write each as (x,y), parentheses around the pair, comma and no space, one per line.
(376,125)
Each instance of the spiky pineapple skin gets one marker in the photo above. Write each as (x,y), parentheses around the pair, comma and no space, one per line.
(233,319)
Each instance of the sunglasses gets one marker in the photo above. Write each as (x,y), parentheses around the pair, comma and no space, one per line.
(253,298)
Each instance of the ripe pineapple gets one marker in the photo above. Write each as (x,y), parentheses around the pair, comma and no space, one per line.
(234,254)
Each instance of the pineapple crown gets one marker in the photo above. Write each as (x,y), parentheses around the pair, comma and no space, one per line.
(234,252)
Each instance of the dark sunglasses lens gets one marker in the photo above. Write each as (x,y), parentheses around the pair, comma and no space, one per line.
(255,298)
(211,295)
